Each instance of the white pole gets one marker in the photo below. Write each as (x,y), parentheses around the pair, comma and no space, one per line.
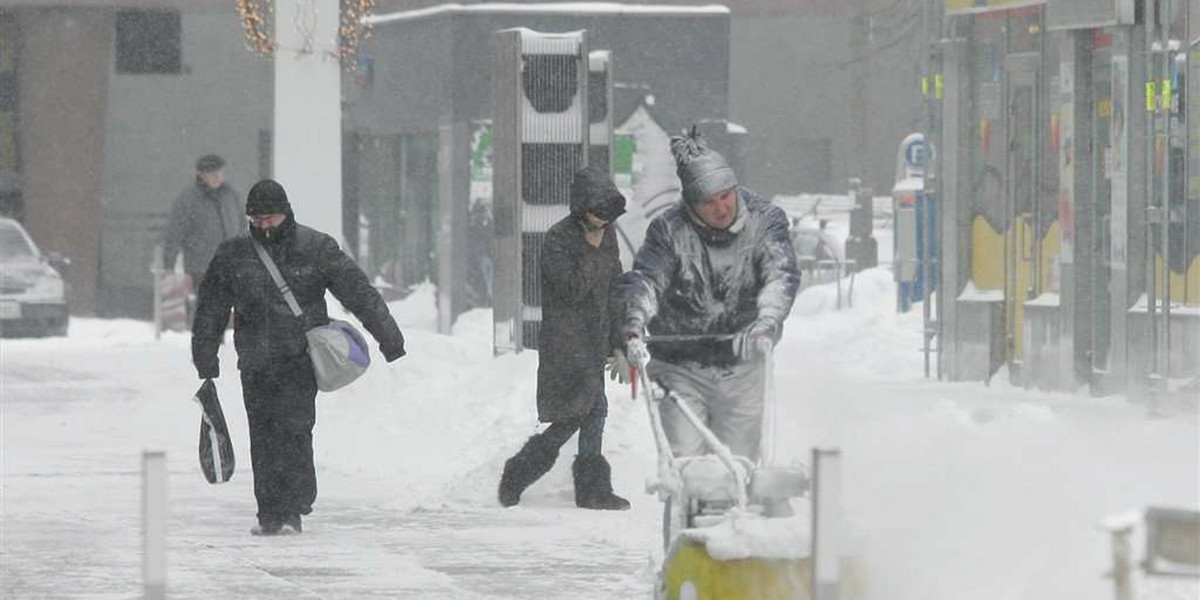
(154,525)
(827,521)
(307,149)
(156,268)
(1122,564)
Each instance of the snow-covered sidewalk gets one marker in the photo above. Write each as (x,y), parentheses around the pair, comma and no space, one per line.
(952,491)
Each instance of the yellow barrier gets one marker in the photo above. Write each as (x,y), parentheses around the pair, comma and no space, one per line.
(690,567)
(1184,289)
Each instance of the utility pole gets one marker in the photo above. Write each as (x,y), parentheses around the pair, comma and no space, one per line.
(1169,49)
(860,57)
(932,86)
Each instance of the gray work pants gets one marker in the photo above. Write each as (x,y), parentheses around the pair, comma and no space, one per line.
(729,400)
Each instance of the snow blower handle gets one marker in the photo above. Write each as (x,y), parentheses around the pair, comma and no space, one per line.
(638,357)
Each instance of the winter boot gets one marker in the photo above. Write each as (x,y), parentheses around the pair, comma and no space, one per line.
(593,484)
(267,526)
(292,524)
(527,466)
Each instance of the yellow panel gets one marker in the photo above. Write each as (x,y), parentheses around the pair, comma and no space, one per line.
(987,255)
(1184,290)
(1051,248)
(1015,297)
(745,579)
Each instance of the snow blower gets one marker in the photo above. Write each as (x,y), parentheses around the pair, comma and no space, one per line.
(728,529)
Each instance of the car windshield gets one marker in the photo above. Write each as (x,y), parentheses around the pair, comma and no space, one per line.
(14,246)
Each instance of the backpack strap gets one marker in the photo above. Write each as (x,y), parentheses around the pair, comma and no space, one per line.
(269,263)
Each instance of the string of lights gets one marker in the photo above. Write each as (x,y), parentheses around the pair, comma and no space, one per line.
(258,20)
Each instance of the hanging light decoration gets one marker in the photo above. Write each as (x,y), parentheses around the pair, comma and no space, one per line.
(353,29)
(258,21)
(257,17)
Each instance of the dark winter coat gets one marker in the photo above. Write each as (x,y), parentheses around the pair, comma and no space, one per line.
(201,218)
(576,336)
(690,279)
(266,333)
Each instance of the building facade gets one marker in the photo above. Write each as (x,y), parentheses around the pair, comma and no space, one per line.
(1069,207)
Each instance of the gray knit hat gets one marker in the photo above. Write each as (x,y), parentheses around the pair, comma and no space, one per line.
(209,163)
(702,171)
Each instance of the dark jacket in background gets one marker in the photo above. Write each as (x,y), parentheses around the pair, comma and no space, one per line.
(201,218)
(266,332)
(576,336)
(689,279)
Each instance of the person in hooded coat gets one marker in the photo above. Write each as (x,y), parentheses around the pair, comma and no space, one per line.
(579,262)
(279,387)
(719,268)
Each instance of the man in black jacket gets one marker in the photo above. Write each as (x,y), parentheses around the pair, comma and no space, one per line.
(579,262)
(279,388)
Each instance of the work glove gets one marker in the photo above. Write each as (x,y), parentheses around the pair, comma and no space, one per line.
(618,367)
(755,340)
(636,352)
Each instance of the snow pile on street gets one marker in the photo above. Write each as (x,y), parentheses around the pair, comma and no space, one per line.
(957,490)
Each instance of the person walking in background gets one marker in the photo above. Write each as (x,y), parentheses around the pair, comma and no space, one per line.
(719,268)
(579,263)
(203,215)
(279,387)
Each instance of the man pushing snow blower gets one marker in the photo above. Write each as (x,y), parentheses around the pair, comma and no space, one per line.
(702,309)
(714,281)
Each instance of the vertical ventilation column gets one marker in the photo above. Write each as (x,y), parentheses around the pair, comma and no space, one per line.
(540,116)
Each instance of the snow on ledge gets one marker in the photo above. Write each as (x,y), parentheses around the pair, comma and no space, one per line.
(972,294)
(1047,300)
(565,8)
(746,535)
(1177,308)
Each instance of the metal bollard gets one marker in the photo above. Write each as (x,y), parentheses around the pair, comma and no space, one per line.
(154,525)
(827,522)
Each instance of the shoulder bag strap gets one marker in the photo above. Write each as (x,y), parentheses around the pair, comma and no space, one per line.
(269,263)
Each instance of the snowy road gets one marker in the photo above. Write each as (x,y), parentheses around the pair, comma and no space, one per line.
(952,491)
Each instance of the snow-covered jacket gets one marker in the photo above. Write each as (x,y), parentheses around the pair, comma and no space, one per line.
(266,333)
(201,218)
(690,279)
(576,335)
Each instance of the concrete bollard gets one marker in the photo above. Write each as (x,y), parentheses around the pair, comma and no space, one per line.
(826,522)
(154,525)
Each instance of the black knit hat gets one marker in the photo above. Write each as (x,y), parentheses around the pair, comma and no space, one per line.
(267,198)
(209,163)
(702,171)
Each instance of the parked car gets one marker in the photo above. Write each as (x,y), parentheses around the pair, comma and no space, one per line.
(33,299)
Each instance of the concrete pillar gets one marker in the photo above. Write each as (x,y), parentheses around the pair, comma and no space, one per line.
(307,149)
(65,59)
(1078,225)
(1128,138)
